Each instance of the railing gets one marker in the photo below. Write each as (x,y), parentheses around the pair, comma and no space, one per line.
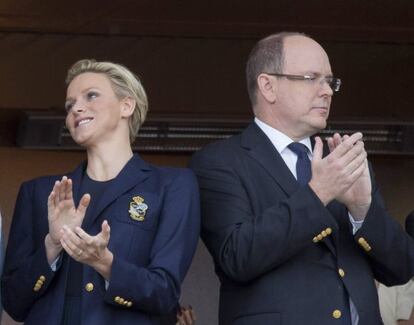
(167,134)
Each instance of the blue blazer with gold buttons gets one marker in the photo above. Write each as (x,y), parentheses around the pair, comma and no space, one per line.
(154,217)
(282,256)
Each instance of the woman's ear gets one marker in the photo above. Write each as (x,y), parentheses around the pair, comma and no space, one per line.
(267,87)
(127,106)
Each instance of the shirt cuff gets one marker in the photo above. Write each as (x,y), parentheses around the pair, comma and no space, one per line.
(356,225)
(53,266)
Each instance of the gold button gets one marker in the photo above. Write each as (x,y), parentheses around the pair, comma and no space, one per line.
(315,239)
(320,237)
(89,287)
(367,248)
(36,288)
(116,299)
(125,302)
(328,230)
(121,301)
(129,304)
(341,273)
(39,283)
(42,278)
(361,241)
(324,233)
(336,314)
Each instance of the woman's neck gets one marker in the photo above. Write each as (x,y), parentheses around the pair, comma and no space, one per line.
(105,162)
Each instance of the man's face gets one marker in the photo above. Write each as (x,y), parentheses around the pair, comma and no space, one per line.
(302,106)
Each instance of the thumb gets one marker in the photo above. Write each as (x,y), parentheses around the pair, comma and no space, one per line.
(317,149)
(106,231)
(84,203)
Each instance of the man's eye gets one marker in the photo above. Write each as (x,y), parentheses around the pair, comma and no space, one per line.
(313,77)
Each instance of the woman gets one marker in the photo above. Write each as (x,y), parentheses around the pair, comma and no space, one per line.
(109,243)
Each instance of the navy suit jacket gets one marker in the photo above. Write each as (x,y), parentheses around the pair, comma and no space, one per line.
(282,256)
(151,256)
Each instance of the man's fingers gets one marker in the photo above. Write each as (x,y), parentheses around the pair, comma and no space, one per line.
(317,149)
(331,144)
(357,173)
(346,145)
(354,153)
(356,163)
(337,139)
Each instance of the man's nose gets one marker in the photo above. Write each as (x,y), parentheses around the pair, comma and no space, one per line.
(325,88)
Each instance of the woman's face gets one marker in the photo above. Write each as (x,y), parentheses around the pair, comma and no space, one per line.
(93,110)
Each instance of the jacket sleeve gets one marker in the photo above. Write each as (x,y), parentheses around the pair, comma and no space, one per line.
(26,274)
(156,288)
(246,243)
(389,249)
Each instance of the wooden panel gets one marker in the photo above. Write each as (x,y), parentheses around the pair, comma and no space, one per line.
(380,20)
(201,77)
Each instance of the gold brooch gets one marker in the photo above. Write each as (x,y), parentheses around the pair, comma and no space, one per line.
(137,208)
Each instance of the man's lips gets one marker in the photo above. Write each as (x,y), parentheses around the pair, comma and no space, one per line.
(320,108)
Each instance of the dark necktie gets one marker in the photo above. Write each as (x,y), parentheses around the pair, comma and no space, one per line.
(304,174)
(303,164)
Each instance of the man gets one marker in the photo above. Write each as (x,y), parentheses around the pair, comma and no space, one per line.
(296,242)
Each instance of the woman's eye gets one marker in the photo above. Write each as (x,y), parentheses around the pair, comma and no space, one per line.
(68,107)
(92,95)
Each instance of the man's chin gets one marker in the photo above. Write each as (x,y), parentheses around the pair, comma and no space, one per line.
(318,127)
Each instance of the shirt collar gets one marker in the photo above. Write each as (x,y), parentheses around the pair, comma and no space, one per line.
(278,138)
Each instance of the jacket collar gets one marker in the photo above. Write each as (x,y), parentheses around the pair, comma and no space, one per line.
(261,149)
(134,172)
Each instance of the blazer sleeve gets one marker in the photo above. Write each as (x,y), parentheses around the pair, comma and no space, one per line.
(26,274)
(156,288)
(246,243)
(389,249)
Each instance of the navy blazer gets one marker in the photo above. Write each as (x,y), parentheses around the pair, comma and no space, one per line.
(282,256)
(151,255)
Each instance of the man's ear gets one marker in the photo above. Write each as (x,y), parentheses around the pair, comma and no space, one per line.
(267,87)
(127,106)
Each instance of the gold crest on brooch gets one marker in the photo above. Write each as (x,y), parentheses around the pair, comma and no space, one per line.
(137,208)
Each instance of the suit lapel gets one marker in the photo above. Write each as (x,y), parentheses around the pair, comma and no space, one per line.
(134,172)
(261,149)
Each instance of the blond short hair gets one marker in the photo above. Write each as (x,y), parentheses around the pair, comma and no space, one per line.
(124,84)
